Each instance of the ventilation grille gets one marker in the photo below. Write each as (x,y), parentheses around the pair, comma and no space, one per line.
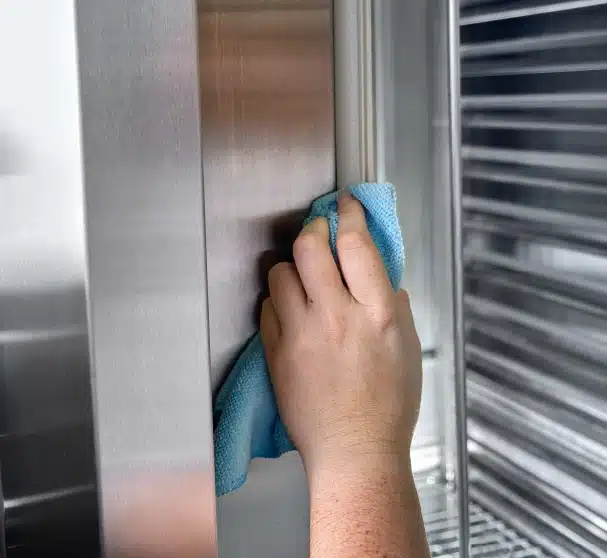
(534,132)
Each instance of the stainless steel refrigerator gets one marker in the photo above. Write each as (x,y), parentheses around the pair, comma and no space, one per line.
(156,156)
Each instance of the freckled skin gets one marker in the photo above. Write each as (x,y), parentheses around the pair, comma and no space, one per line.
(346,370)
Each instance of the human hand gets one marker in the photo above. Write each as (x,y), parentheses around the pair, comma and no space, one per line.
(345,360)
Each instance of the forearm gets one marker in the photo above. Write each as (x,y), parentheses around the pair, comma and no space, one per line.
(366,511)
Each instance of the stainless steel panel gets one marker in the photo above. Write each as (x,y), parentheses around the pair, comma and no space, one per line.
(268,144)
(359,117)
(46,438)
(406,118)
(146,276)
(268,150)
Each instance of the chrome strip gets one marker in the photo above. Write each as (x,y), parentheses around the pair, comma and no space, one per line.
(458,276)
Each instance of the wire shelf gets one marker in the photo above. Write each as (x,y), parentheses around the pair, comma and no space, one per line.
(490,536)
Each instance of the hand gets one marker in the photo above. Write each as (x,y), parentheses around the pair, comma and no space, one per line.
(344,359)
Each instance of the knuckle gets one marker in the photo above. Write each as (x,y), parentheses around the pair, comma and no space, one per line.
(278,270)
(305,242)
(384,318)
(351,240)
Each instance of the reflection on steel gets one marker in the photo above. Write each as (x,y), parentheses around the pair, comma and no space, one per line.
(46,436)
(268,143)
(530,101)
(2,520)
(542,42)
(458,276)
(268,147)
(146,277)
(542,9)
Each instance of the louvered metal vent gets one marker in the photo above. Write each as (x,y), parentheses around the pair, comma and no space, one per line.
(534,135)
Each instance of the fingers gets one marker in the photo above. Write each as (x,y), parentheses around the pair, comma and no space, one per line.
(288,296)
(269,326)
(315,264)
(360,261)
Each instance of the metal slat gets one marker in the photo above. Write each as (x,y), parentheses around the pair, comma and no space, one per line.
(557,432)
(529,11)
(538,271)
(519,177)
(594,242)
(534,44)
(538,382)
(544,493)
(582,100)
(477,121)
(520,511)
(547,360)
(542,159)
(489,536)
(574,340)
(541,464)
(559,308)
(534,214)
(523,68)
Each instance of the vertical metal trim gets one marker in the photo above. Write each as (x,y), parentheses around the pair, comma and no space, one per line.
(367,86)
(382,95)
(355,107)
(146,276)
(458,295)
(2,520)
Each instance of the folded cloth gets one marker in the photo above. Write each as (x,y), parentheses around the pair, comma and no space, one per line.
(245,413)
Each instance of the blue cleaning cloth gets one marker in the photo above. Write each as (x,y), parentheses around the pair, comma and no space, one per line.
(245,413)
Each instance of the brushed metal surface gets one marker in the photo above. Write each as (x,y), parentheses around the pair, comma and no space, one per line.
(457,247)
(46,435)
(268,151)
(405,133)
(268,147)
(146,275)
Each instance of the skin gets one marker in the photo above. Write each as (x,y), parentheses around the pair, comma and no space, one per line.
(345,363)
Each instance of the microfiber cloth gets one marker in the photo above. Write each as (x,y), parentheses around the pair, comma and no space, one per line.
(245,412)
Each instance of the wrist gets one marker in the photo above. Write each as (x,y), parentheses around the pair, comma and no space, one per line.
(364,470)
